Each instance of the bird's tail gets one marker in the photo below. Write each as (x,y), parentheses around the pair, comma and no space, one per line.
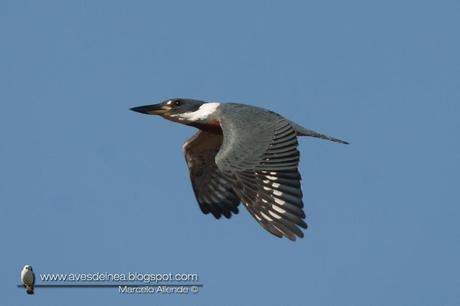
(301,131)
(29,290)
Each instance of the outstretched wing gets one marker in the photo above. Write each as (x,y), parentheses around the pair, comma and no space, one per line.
(261,159)
(213,190)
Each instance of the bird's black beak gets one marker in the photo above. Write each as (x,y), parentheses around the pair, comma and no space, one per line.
(154,109)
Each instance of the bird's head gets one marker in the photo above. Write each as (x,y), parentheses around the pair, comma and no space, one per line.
(186,111)
(27,267)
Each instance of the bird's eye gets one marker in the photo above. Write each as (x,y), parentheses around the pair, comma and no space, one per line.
(177,103)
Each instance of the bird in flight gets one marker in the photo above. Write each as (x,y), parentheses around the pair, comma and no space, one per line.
(28,279)
(242,153)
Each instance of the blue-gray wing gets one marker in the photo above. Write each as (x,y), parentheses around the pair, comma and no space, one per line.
(212,189)
(259,155)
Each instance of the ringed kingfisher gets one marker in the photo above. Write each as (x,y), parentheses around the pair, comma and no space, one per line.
(242,153)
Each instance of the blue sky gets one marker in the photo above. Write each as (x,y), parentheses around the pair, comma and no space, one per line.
(88,186)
